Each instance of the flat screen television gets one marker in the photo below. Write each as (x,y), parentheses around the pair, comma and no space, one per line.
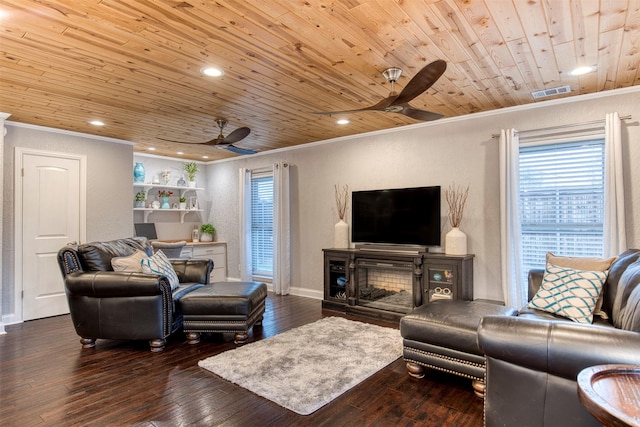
(404,216)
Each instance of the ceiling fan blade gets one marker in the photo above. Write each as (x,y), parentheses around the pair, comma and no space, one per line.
(239,150)
(237,135)
(214,142)
(187,142)
(414,113)
(380,106)
(421,81)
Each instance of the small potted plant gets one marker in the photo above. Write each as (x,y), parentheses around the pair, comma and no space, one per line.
(141,197)
(191,169)
(206,232)
(183,202)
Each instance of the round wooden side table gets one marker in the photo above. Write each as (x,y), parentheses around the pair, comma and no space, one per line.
(611,393)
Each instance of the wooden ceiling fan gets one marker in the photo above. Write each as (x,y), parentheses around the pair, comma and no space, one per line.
(399,102)
(225,142)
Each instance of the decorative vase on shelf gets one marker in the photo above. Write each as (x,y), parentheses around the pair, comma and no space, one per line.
(138,173)
(455,242)
(139,204)
(165,203)
(206,237)
(192,184)
(183,205)
(341,235)
(166,176)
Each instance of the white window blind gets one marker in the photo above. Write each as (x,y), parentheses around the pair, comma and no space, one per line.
(561,200)
(262,225)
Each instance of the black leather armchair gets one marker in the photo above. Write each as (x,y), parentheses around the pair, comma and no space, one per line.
(533,360)
(121,305)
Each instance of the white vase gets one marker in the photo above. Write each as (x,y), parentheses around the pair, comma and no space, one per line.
(455,242)
(341,235)
(206,237)
(192,184)
(183,205)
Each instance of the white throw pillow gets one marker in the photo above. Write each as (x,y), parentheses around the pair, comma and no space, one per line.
(129,263)
(569,293)
(584,263)
(160,264)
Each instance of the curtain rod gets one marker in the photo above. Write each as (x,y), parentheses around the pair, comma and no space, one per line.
(595,122)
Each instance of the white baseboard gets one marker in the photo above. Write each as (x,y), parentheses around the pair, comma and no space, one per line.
(9,319)
(309,293)
(302,292)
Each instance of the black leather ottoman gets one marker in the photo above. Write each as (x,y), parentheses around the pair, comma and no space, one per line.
(443,335)
(223,307)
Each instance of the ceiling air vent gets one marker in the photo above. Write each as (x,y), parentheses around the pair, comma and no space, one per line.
(551,92)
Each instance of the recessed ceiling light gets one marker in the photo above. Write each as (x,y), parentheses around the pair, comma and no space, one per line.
(180,152)
(212,72)
(582,70)
(343,122)
(97,122)
(151,148)
(205,157)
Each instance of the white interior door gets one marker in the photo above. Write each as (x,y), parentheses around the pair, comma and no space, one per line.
(52,193)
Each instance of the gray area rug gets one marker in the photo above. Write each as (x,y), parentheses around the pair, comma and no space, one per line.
(305,368)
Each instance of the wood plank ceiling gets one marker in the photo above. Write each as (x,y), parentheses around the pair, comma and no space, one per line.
(136,64)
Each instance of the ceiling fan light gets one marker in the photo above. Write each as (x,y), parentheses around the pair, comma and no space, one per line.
(212,72)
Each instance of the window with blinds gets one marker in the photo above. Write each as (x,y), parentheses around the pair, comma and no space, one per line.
(561,200)
(262,225)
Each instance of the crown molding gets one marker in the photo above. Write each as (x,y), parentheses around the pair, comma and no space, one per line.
(69,132)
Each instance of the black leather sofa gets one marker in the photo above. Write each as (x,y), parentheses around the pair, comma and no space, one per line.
(118,305)
(533,360)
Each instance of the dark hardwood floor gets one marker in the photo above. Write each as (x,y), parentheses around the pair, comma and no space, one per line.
(47,379)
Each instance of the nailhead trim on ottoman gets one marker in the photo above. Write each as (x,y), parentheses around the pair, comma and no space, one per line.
(223,307)
(443,335)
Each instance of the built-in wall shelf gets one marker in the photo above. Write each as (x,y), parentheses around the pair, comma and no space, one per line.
(149,211)
(180,191)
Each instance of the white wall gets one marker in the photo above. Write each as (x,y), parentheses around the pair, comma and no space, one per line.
(109,177)
(459,150)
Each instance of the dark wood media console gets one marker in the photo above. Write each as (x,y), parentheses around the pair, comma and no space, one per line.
(388,284)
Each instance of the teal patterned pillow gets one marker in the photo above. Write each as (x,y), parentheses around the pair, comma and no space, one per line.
(569,293)
(160,264)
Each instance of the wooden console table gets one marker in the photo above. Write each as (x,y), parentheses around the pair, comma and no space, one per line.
(611,393)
